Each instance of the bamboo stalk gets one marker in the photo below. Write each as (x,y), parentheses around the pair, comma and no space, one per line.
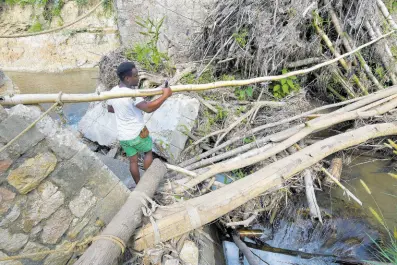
(185,216)
(382,7)
(347,44)
(336,93)
(315,125)
(75,98)
(331,47)
(385,61)
(355,103)
(344,83)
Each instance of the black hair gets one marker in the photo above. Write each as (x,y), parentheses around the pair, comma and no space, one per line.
(125,69)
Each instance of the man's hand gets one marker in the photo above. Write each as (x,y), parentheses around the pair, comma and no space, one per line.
(167,92)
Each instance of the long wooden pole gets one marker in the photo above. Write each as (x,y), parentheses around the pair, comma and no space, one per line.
(75,98)
(124,223)
(186,216)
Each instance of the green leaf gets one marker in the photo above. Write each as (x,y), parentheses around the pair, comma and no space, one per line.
(276,88)
(293,77)
(290,83)
(283,81)
(249,91)
(241,94)
(286,89)
(284,71)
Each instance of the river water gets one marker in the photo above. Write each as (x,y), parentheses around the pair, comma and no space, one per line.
(75,82)
(348,230)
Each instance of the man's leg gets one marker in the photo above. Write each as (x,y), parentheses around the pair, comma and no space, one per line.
(147,161)
(134,169)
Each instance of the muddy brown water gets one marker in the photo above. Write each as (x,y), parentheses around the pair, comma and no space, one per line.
(75,81)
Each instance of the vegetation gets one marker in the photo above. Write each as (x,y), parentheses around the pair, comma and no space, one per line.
(285,86)
(147,54)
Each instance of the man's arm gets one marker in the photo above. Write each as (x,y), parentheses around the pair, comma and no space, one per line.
(150,106)
(110,109)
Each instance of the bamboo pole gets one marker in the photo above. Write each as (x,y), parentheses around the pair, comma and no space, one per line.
(315,125)
(347,44)
(331,47)
(75,98)
(185,216)
(355,103)
(382,7)
(385,61)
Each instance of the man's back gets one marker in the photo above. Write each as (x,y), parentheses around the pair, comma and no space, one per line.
(129,118)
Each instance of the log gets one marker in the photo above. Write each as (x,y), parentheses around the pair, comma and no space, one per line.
(124,223)
(315,125)
(315,212)
(75,98)
(185,216)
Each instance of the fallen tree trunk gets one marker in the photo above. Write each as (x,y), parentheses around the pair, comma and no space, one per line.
(315,125)
(124,223)
(356,103)
(75,98)
(185,216)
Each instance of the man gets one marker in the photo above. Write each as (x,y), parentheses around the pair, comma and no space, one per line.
(132,133)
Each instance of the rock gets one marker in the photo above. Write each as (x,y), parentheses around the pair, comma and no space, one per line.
(15,123)
(6,198)
(11,217)
(2,78)
(82,203)
(98,125)
(10,262)
(56,226)
(172,262)
(166,125)
(60,258)
(120,169)
(83,169)
(7,87)
(42,202)
(34,234)
(189,253)
(29,175)
(4,165)
(3,114)
(12,242)
(64,144)
(33,247)
(77,228)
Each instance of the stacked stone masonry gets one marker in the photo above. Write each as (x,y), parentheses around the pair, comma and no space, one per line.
(53,189)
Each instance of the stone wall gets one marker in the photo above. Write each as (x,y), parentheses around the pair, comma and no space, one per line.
(7,87)
(78,46)
(183,19)
(53,189)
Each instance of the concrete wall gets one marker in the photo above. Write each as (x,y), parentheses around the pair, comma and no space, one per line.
(78,46)
(183,19)
(53,189)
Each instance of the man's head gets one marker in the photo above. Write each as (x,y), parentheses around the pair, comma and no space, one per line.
(128,74)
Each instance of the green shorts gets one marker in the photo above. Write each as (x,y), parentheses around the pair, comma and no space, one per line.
(137,145)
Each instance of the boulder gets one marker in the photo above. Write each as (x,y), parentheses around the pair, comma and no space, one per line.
(29,175)
(167,125)
(33,247)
